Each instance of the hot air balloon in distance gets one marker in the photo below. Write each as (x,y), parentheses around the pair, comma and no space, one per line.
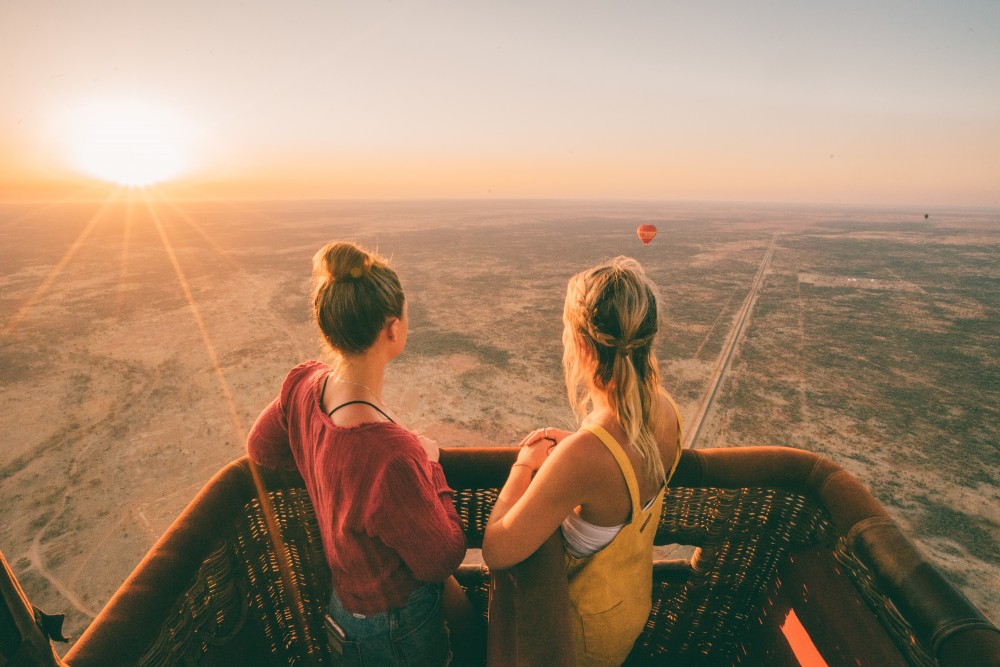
(646,233)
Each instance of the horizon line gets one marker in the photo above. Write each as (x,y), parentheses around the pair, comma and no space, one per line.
(497,199)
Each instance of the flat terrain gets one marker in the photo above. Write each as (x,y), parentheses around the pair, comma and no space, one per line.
(139,342)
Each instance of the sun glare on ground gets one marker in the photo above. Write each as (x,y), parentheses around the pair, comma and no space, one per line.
(130,143)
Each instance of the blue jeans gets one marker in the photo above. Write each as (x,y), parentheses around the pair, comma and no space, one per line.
(413,635)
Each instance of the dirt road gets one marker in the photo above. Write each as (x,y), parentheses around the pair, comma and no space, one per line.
(693,427)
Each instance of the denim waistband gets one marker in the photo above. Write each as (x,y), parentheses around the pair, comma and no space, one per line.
(355,624)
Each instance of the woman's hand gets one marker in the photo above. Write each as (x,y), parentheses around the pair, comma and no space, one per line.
(530,507)
(537,445)
(553,435)
(430,447)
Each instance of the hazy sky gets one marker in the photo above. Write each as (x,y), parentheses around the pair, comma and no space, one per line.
(850,102)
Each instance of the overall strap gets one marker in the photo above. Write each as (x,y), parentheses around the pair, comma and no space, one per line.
(343,405)
(623,463)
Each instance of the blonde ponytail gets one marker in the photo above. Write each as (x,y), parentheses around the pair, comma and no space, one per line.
(610,316)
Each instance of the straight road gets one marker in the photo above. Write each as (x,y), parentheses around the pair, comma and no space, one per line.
(728,350)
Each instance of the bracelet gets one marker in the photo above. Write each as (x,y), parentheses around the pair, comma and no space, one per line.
(533,470)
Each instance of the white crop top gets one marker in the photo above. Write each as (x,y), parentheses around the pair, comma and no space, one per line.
(583,538)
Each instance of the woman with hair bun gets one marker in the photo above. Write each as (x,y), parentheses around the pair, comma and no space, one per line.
(603,485)
(388,524)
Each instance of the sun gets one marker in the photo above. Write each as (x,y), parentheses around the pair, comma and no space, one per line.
(130,143)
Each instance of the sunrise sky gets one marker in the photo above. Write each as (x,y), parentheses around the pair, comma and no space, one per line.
(847,102)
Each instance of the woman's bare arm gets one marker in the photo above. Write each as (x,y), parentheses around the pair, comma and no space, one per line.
(528,510)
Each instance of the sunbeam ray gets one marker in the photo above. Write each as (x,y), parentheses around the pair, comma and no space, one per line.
(40,291)
(196,226)
(236,266)
(234,418)
(274,530)
(123,268)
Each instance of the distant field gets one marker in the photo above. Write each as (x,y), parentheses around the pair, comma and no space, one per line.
(889,366)
(874,340)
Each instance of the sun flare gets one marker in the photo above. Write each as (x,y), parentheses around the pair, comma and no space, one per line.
(130,143)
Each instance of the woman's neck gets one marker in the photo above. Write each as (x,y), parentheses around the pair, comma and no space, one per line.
(599,399)
(363,370)
(600,405)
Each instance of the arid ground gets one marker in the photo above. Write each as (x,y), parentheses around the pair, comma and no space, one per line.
(140,341)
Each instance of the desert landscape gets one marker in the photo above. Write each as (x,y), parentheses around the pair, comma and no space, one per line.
(140,340)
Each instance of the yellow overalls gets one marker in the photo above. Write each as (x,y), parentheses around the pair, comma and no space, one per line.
(611,591)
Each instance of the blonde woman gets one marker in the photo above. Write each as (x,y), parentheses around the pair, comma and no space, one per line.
(602,485)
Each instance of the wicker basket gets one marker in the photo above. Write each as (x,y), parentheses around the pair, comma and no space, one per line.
(791,555)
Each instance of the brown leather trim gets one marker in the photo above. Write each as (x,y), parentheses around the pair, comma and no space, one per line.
(936,609)
(133,618)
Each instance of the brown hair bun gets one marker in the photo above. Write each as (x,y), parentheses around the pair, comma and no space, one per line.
(354,293)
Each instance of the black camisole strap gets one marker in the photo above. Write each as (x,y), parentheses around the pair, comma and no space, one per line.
(343,405)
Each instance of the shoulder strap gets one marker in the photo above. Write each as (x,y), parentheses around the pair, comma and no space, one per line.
(623,463)
(344,405)
(680,433)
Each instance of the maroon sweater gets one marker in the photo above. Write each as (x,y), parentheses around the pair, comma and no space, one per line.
(385,512)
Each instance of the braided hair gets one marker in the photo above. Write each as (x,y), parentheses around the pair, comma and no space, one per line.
(610,316)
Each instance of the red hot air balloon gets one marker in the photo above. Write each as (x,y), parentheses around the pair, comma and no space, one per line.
(646,233)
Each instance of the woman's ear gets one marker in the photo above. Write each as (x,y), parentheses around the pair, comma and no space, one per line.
(392,328)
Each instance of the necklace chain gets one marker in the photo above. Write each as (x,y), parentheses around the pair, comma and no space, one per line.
(363,386)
